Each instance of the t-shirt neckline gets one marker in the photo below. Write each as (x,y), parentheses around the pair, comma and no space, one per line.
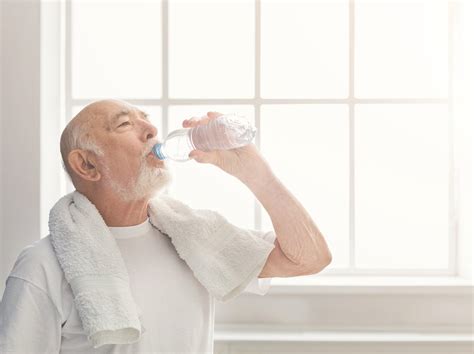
(124,232)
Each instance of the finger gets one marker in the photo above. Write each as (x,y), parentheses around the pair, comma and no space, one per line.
(190,121)
(202,156)
(214,114)
(194,121)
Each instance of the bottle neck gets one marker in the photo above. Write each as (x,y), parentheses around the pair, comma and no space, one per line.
(158,151)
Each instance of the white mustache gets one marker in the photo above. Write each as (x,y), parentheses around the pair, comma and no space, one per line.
(149,147)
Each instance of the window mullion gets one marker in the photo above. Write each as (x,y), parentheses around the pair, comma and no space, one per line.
(165,81)
(351,138)
(257,102)
(453,213)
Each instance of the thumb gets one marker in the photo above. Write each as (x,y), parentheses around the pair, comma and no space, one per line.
(201,156)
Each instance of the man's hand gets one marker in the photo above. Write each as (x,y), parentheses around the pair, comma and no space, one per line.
(246,163)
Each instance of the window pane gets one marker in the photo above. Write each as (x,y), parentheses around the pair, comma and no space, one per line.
(211,49)
(304,49)
(307,148)
(205,186)
(116,49)
(401,186)
(401,49)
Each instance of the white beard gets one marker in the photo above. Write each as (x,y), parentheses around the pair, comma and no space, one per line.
(149,181)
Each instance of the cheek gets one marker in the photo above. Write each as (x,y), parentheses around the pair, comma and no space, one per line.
(130,167)
(124,168)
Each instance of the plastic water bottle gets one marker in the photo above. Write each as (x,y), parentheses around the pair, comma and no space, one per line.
(228,131)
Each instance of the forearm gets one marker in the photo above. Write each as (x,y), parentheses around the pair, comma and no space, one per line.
(298,235)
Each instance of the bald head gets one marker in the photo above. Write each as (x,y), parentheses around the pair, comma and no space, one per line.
(79,132)
(106,151)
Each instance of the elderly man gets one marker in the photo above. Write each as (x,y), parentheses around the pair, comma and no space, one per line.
(106,152)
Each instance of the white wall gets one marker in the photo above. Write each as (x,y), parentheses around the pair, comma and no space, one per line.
(20,129)
(51,122)
(1,147)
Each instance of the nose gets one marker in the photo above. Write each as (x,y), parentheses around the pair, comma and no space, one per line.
(149,131)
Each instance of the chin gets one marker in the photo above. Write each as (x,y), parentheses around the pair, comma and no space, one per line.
(153,181)
(150,182)
(164,180)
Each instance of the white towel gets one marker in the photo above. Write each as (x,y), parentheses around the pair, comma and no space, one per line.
(222,257)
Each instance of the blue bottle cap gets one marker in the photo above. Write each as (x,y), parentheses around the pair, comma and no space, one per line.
(157,151)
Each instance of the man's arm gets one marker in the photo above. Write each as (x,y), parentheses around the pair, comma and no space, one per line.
(301,242)
(297,234)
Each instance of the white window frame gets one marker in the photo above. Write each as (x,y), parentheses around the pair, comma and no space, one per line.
(443,304)
(30,111)
(440,281)
(258,101)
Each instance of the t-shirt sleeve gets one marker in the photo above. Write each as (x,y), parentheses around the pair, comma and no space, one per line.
(260,286)
(29,321)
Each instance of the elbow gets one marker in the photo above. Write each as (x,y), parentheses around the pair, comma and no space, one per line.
(323,262)
(328,258)
(322,255)
(317,266)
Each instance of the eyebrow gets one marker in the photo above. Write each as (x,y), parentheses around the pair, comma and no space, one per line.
(144,115)
(126,112)
(122,113)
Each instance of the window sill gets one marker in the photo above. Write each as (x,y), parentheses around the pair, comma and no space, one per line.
(255,333)
(372,285)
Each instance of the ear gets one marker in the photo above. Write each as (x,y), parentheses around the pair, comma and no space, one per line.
(83,163)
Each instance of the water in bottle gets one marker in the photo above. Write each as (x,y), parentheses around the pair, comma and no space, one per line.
(228,131)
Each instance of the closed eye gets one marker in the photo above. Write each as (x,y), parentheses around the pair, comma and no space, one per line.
(127,122)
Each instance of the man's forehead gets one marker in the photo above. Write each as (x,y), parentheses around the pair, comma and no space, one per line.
(108,108)
(123,111)
(118,113)
(115,108)
(105,113)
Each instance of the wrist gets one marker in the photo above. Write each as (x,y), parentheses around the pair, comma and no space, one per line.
(258,179)
(253,169)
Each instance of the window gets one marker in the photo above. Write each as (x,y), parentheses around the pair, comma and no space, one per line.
(352,101)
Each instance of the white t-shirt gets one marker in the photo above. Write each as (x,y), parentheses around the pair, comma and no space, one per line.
(37,312)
